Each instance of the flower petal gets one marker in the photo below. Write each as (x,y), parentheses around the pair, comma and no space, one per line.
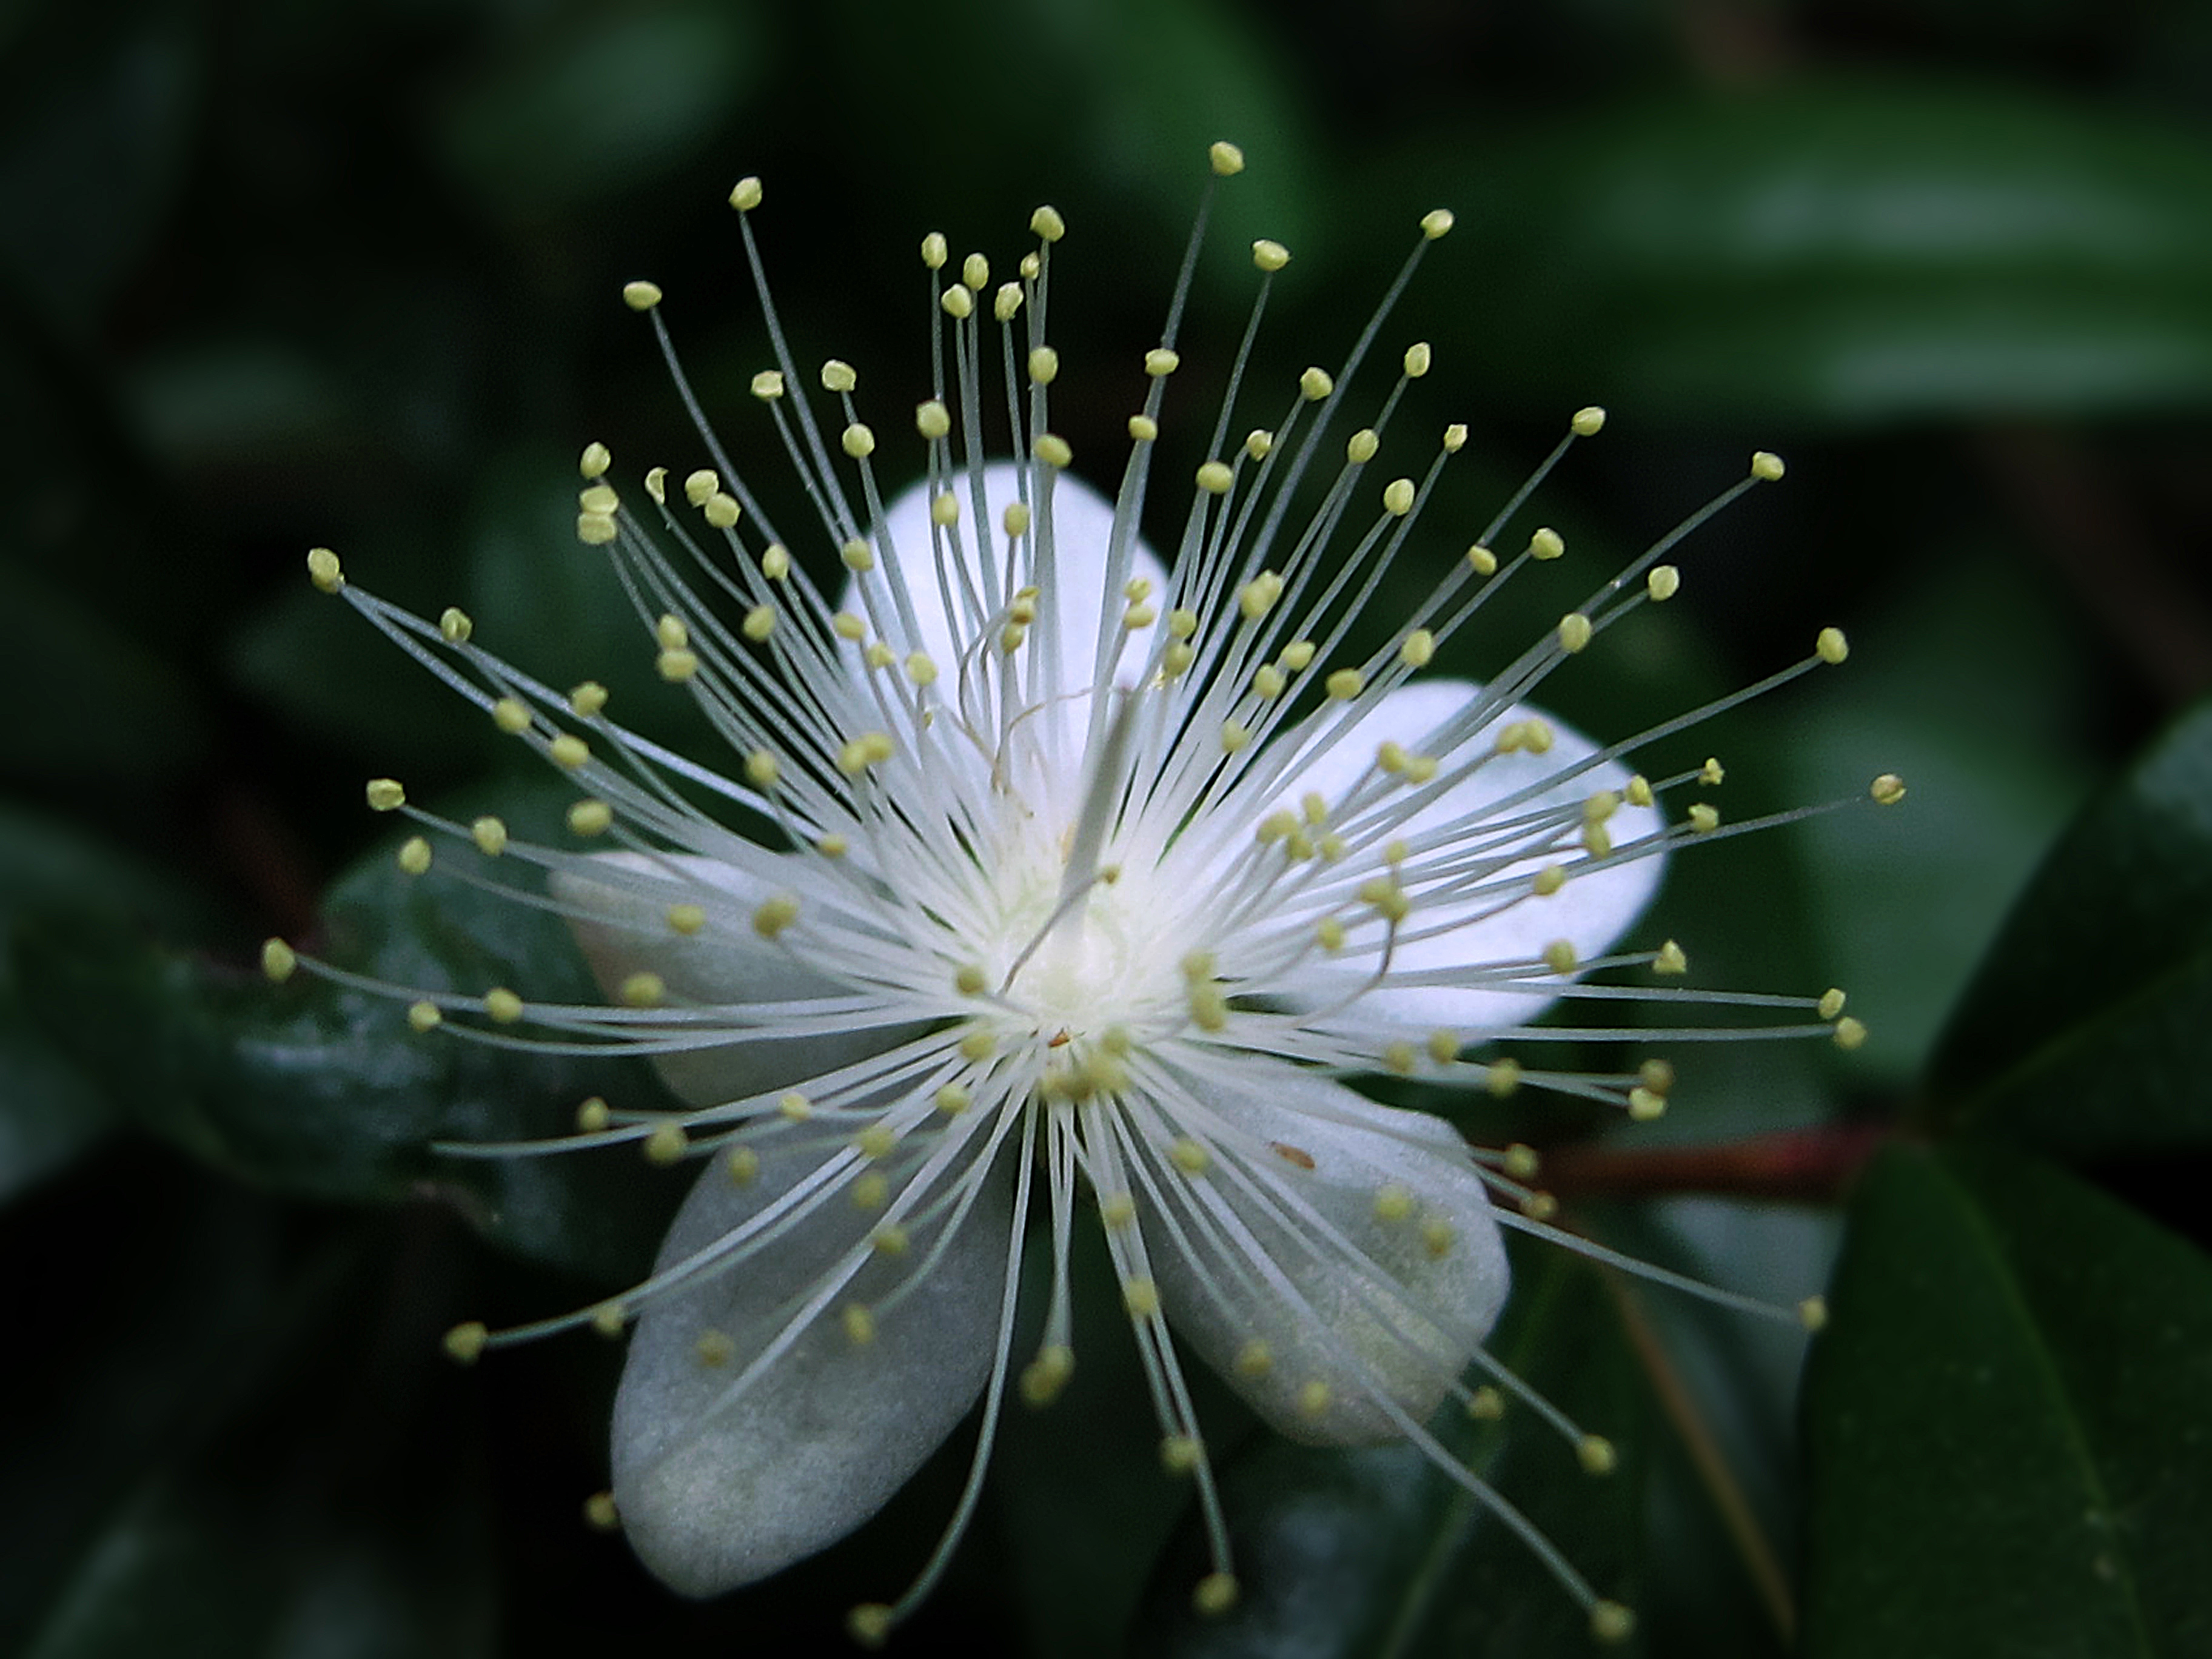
(1082,541)
(1392,1311)
(1589,912)
(716,1490)
(628,931)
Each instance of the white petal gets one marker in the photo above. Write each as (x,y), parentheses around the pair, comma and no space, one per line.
(1395,1319)
(1082,538)
(726,962)
(1590,912)
(717,1492)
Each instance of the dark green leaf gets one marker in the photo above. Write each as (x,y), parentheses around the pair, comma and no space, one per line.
(2009,1422)
(2085,1029)
(1374,1552)
(1856,251)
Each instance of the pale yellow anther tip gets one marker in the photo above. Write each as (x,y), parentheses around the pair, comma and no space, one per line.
(1270,257)
(745,194)
(1851,1033)
(1887,790)
(594,461)
(1831,646)
(1052,451)
(1813,1313)
(464,1343)
(1215,1594)
(600,1514)
(1048,224)
(869,1624)
(641,296)
(1587,422)
(1226,159)
(1611,1622)
(1437,224)
(1766,465)
(278,960)
(385,794)
(324,570)
(1596,1456)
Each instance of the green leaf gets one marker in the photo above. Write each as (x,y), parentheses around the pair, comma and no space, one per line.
(1856,251)
(1374,1552)
(2009,1422)
(2084,1031)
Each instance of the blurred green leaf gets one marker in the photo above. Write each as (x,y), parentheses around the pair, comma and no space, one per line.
(1854,250)
(1374,1552)
(49,1112)
(324,1505)
(2085,1029)
(596,104)
(317,1089)
(2009,1422)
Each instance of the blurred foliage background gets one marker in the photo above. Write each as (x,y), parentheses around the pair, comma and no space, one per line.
(287,272)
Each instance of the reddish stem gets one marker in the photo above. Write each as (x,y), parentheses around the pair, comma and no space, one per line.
(1803,1165)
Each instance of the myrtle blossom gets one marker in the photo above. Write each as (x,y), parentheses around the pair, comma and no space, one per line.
(1093,877)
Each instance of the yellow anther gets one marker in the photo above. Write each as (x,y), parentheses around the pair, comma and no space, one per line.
(1328,933)
(656,485)
(857,556)
(1485,1404)
(875,1141)
(1443,1046)
(489,835)
(1007,302)
(759,622)
(686,918)
(979,1043)
(568,750)
(1315,1398)
(1597,840)
(511,715)
(278,960)
(1361,446)
(1316,384)
(1455,437)
(1141,1297)
(1393,1203)
(1766,465)
(594,461)
(1502,1078)
(722,510)
(593,1115)
(609,1318)
(958,303)
(1214,1595)
(1548,881)
(1596,1453)
(1048,224)
(1214,478)
(1181,1453)
(1832,1003)
(1611,1622)
(934,250)
(599,1512)
(1704,818)
(641,296)
(848,625)
(1052,451)
(1161,361)
(1044,365)
(870,1191)
(1831,647)
(1398,497)
(832,847)
(976,272)
(920,668)
(1198,967)
(1269,680)
(1712,773)
(1540,1207)
(414,856)
(1345,683)
(855,756)
(773,915)
(1559,957)
(453,623)
(595,529)
(1227,159)
(714,1347)
(1254,1359)
(1258,442)
(464,1343)
(1298,653)
(386,795)
(1143,428)
(1587,422)
(590,817)
(1644,1105)
(644,990)
(596,498)
(1671,960)
(1418,649)
(952,1099)
(666,1144)
(1437,224)
(1386,897)
(860,1324)
(1437,1238)
(1181,624)
(502,1005)
(1574,632)
(794,1107)
(1813,1313)
(858,440)
(1600,807)
(702,487)
(932,419)
(838,375)
(1043,1377)
(1639,791)
(1139,616)
(1887,790)
(1662,582)
(1546,543)
(1521,1162)
(1850,1033)
(776,561)
(1399,1057)
(1391,756)
(1137,589)
(1481,560)
(1418,360)
(324,570)
(1270,257)
(1656,1075)
(1189,1157)
(1119,1211)
(745,194)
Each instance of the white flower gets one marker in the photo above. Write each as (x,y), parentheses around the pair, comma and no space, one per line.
(1094,876)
